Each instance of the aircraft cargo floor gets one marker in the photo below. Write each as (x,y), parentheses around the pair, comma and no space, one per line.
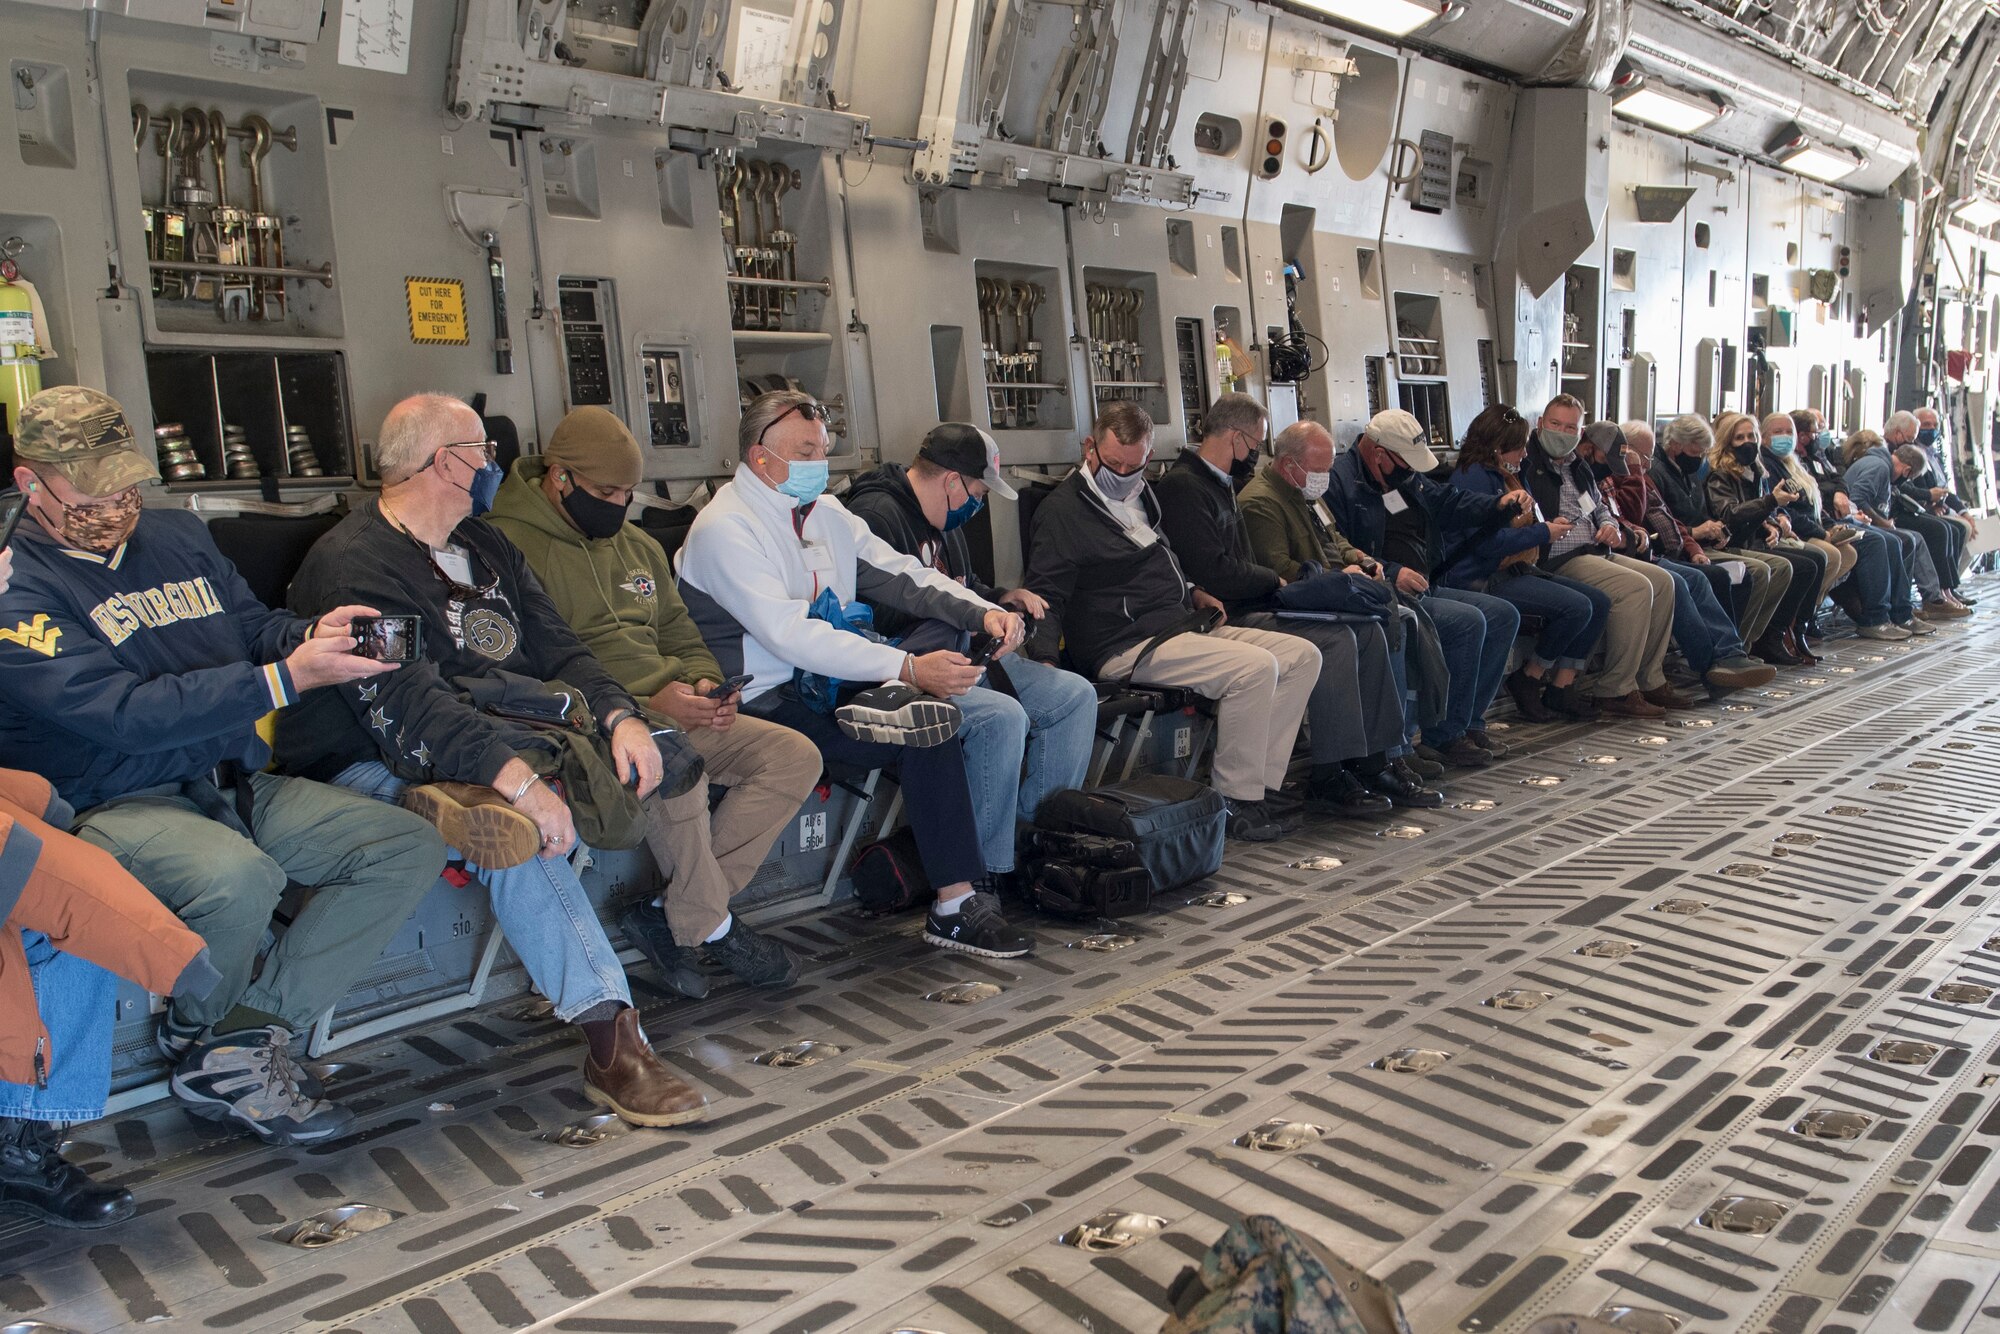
(1795,874)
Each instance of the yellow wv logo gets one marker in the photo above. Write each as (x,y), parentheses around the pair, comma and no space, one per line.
(37,634)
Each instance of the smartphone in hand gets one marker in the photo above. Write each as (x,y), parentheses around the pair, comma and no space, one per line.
(981,650)
(727,689)
(388,638)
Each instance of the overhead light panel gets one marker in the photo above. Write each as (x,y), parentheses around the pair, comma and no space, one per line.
(1977,211)
(1667,108)
(1797,152)
(1397,18)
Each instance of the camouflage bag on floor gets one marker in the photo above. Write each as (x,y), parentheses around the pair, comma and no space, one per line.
(1264,1278)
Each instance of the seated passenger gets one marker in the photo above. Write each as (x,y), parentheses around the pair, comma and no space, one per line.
(756,563)
(1121,607)
(1916,503)
(1031,708)
(1382,499)
(1802,515)
(1505,563)
(1703,627)
(1680,472)
(610,580)
(1289,533)
(1878,597)
(137,666)
(73,919)
(1945,503)
(1749,504)
(488,627)
(1870,478)
(1558,473)
(1355,712)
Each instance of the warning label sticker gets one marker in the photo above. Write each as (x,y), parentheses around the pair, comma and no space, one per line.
(437,310)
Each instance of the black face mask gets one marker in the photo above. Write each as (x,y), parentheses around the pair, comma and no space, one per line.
(1245,468)
(1689,464)
(1746,455)
(1599,469)
(597,518)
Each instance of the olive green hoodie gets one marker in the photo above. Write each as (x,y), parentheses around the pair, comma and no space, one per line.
(617,592)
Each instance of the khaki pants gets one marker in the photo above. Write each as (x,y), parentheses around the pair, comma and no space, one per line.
(1642,621)
(1764,596)
(1260,681)
(1840,560)
(769,771)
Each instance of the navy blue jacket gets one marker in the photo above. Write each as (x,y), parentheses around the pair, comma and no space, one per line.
(145,667)
(1454,515)
(1482,558)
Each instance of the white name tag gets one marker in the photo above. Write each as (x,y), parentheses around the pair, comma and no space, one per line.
(1393,502)
(818,558)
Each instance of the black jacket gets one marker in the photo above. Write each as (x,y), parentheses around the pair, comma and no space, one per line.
(1199,516)
(1741,505)
(413,719)
(885,502)
(1805,523)
(1106,593)
(1685,494)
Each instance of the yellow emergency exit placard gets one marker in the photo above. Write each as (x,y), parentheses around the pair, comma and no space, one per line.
(437,310)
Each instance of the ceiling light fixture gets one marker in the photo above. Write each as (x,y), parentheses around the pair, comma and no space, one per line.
(1667,108)
(1796,152)
(1397,18)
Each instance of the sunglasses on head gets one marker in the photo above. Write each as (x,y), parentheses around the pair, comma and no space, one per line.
(811,411)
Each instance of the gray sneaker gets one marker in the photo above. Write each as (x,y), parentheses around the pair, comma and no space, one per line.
(1886,633)
(249,1078)
(897,715)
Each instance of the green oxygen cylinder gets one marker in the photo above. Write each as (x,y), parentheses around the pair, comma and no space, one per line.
(20,350)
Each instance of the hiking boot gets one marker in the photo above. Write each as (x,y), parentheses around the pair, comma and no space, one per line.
(1570,702)
(1738,673)
(1526,692)
(1341,793)
(175,1039)
(35,1179)
(478,822)
(756,960)
(1464,753)
(1631,705)
(1494,750)
(1884,633)
(679,966)
(978,927)
(637,1084)
(249,1078)
(899,715)
(1667,698)
(1402,787)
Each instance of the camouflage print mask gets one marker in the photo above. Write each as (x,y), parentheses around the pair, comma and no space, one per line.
(102,525)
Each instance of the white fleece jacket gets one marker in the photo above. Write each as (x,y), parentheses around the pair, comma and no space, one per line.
(748,576)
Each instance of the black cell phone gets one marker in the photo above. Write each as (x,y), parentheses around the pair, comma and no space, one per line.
(11,509)
(725,689)
(981,650)
(388,638)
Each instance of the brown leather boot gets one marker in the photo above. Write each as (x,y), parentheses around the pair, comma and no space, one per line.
(637,1084)
(1632,705)
(1667,697)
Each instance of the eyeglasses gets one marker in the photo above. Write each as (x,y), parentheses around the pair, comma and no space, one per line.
(460,592)
(810,410)
(491,447)
(1509,417)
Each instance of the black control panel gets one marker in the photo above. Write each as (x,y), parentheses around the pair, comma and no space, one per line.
(666,398)
(586,341)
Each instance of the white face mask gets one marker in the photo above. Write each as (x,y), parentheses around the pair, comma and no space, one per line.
(1315,485)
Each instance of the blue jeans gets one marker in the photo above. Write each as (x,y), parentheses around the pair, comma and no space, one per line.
(1052,719)
(75,997)
(1703,627)
(1874,580)
(1476,632)
(1573,615)
(542,910)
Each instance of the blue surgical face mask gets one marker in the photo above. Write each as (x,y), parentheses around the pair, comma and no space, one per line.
(1927,435)
(1826,441)
(1782,445)
(958,518)
(485,486)
(805,480)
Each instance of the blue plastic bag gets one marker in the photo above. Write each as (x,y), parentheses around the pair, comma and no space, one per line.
(821,693)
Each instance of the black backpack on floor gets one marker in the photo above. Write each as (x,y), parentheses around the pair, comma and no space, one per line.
(1109,851)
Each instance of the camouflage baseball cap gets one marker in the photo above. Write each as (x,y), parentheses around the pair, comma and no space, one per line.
(82,434)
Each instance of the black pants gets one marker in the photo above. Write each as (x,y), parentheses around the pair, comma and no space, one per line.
(1808,573)
(935,791)
(1942,536)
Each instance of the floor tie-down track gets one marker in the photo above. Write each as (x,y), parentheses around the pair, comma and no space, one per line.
(1660,980)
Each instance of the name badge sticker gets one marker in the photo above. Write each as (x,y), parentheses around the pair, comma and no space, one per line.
(1393,502)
